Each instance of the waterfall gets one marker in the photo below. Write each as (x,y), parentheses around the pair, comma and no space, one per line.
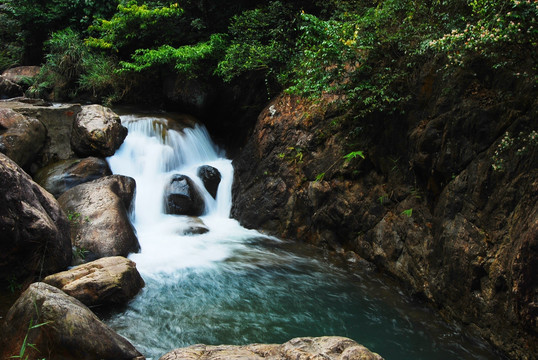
(151,153)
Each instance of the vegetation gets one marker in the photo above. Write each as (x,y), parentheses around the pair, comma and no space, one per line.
(364,50)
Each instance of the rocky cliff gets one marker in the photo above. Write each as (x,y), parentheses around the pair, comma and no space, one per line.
(442,197)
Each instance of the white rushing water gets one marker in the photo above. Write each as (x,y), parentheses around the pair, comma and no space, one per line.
(151,154)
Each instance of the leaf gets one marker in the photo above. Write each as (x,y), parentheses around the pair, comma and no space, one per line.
(408,212)
(353,155)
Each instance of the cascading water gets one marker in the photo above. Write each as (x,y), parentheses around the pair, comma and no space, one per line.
(235,286)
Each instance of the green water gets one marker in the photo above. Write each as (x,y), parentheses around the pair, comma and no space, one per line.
(269,292)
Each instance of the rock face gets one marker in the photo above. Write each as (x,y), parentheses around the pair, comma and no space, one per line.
(444,200)
(211,178)
(61,176)
(21,137)
(107,281)
(34,239)
(99,216)
(69,331)
(328,348)
(182,197)
(97,131)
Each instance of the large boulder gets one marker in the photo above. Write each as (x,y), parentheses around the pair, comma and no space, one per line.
(211,178)
(21,137)
(97,131)
(106,281)
(98,211)
(326,348)
(182,197)
(61,176)
(19,74)
(59,327)
(34,239)
(58,121)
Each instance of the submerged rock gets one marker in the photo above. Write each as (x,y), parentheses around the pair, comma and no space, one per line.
(63,328)
(97,131)
(106,281)
(61,176)
(182,197)
(34,232)
(98,211)
(326,348)
(211,178)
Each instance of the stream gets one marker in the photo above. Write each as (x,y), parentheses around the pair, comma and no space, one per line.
(232,285)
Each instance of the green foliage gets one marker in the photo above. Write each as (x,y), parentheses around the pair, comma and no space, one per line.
(509,145)
(25,343)
(408,212)
(503,31)
(186,59)
(261,40)
(134,27)
(352,155)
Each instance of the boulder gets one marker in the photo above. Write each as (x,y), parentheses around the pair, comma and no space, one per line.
(97,131)
(59,327)
(34,239)
(20,73)
(61,176)
(98,211)
(182,197)
(194,226)
(21,137)
(326,348)
(9,89)
(211,178)
(106,281)
(58,122)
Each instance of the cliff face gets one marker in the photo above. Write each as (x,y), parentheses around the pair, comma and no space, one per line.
(445,198)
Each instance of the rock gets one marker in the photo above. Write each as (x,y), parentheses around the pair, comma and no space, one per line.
(34,239)
(182,197)
(58,121)
(61,176)
(20,73)
(327,348)
(9,89)
(21,137)
(107,281)
(97,131)
(194,226)
(68,329)
(99,216)
(211,178)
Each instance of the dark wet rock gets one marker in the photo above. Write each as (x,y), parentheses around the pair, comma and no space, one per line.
(182,197)
(211,178)
(61,176)
(107,281)
(98,211)
(426,205)
(34,239)
(9,89)
(328,348)
(21,137)
(97,131)
(68,329)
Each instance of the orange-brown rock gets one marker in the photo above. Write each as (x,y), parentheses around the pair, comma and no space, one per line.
(106,281)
